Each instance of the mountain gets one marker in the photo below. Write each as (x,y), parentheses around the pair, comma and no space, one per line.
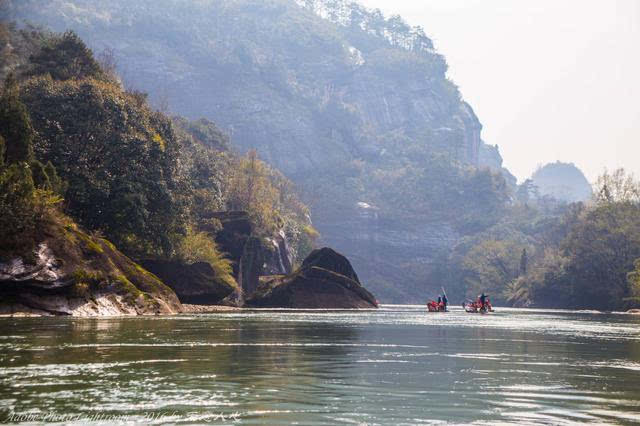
(563,181)
(354,107)
(75,144)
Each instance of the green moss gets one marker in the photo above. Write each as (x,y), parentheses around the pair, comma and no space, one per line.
(146,273)
(89,244)
(90,277)
(108,243)
(126,288)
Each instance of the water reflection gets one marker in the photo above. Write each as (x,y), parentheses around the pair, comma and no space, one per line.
(397,365)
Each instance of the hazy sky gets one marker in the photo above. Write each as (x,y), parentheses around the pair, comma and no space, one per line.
(549,79)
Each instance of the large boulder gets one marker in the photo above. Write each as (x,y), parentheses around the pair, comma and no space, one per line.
(326,280)
(73,273)
(195,284)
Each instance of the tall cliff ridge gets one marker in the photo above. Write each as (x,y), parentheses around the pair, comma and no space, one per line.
(353,106)
(562,181)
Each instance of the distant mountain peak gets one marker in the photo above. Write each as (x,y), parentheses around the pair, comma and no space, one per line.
(563,181)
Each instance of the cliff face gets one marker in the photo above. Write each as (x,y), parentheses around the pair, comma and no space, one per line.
(353,106)
(73,273)
(252,256)
(387,251)
(317,80)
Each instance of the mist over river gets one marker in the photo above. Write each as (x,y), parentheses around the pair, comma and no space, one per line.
(395,365)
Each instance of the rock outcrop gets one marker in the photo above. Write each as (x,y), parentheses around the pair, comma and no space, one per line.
(252,256)
(194,284)
(73,273)
(326,280)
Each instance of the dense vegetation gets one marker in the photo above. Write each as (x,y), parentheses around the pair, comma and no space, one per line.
(28,189)
(354,108)
(146,181)
(552,254)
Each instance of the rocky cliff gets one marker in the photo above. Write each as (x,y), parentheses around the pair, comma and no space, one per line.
(73,273)
(353,106)
(252,256)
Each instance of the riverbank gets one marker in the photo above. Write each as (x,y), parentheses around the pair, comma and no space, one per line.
(208,309)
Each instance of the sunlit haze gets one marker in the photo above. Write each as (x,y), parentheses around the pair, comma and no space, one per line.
(550,80)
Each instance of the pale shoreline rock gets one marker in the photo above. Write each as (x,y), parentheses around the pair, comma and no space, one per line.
(208,309)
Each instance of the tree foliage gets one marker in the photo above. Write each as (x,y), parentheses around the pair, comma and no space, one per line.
(119,159)
(65,57)
(584,255)
(15,124)
(617,187)
(140,178)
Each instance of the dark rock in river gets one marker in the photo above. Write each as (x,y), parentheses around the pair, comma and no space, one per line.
(326,280)
(195,284)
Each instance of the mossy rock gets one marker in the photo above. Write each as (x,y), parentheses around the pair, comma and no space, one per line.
(194,284)
(73,268)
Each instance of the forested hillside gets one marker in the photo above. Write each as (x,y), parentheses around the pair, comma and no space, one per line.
(76,146)
(355,107)
(352,106)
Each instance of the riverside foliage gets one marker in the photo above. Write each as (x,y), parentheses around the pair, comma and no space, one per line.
(552,254)
(144,180)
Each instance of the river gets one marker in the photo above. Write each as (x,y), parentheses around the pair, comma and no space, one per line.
(396,365)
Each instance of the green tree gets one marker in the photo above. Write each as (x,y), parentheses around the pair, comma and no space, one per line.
(120,161)
(252,190)
(490,266)
(65,57)
(40,177)
(17,204)
(15,124)
(602,249)
(56,184)
(527,191)
(634,284)
(617,187)
(523,262)
(2,150)
(200,247)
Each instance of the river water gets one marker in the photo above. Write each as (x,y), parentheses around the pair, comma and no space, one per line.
(396,365)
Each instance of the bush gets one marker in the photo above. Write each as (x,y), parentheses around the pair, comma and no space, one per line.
(200,247)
